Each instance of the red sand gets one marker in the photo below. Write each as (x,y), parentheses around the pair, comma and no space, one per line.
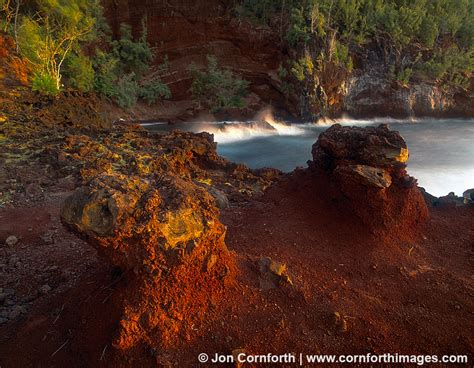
(411,296)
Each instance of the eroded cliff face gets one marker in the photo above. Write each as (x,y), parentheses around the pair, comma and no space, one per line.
(369,94)
(187,31)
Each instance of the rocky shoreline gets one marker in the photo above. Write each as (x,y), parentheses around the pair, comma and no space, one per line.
(164,241)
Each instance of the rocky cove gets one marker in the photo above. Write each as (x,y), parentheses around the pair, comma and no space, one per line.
(265,142)
(127,246)
(258,54)
(145,248)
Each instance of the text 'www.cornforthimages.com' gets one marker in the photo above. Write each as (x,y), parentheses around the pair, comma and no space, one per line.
(305,359)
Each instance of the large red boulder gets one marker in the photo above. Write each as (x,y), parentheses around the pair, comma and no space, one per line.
(367,168)
(148,204)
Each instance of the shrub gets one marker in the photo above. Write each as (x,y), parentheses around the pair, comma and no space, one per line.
(429,31)
(298,32)
(403,76)
(217,88)
(44,83)
(105,76)
(134,56)
(450,67)
(154,90)
(127,91)
(302,68)
(80,72)
(342,56)
(118,73)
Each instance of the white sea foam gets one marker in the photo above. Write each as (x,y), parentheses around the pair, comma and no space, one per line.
(349,121)
(263,125)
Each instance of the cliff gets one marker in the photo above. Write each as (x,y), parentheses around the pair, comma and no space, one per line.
(186,32)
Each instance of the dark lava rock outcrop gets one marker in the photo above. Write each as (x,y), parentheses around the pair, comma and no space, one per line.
(147,206)
(371,94)
(367,169)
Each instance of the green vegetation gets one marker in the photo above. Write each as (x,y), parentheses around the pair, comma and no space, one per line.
(217,88)
(119,72)
(47,33)
(80,72)
(417,40)
(428,39)
(153,90)
(51,35)
(44,83)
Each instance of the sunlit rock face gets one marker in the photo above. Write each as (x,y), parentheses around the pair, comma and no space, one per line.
(367,167)
(167,236)
(148,206)
(372,146)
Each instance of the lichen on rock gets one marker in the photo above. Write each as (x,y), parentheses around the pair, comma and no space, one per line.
(163,233)
(148,205)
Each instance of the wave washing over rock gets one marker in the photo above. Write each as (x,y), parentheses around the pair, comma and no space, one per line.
(263,125)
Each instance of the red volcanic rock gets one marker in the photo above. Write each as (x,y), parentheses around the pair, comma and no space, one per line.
(166,237)
(148,204)
(14,72)
(367,168)
(373,146)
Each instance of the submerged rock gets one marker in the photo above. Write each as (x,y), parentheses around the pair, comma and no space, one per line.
(367,168)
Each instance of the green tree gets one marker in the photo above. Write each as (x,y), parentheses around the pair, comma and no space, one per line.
(119,73)
(153,90)
(79,72)
(134,56)
(127,91)
(217,88)
(51,30)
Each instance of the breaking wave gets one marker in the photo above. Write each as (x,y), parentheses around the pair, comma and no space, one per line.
(264,125)
(348,121)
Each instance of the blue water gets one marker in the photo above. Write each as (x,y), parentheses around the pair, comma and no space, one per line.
(441,150)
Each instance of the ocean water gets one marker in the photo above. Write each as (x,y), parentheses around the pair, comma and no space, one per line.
(441,150)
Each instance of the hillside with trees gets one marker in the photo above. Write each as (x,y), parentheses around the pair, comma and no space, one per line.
(68,45)
(410,41)
(320,51)
(236,183)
